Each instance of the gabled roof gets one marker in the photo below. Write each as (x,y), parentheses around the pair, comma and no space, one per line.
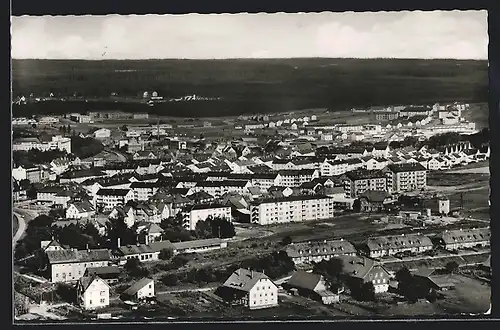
(304,280)
(134,288)
(305,249)
(406,167)
(374,196)
(74,256)
(358,267)
(86,281)
(113,192)
(244,279)
(397,241)
(467,235)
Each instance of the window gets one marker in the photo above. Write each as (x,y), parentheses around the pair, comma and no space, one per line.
(90,302)
(103,300)
(102,293)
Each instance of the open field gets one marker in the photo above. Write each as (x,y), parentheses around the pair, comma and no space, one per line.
(249,86)
(479,114)
(455,179)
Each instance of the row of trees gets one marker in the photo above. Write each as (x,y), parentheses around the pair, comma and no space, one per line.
(35,156)
(209,228)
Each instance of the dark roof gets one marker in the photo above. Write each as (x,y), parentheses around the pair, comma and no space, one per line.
(297,172)
(466,235)
(82,173)
(222,183)
(134,288)
(86,281)
(306,249)
(365,174)
(399,241)
(197,243)
(304,280)
(244,279)
(374,196)
(113,192)
(143,248)
(406,167)
(107,270)
(67,256)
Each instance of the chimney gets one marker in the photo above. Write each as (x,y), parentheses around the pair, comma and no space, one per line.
(87,246)
(118,243)
(251,273)
(147,239)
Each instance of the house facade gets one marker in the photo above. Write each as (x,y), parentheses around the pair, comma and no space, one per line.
(92,292)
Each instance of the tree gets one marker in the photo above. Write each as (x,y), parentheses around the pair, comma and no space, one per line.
(367,292)
(287,240)
(451,267)
(132,264)
(166,254)
(332,271)
(170,279)
(124,128)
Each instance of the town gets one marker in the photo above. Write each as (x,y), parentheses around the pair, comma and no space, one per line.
(310,213)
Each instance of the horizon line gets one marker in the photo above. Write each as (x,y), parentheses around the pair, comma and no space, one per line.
(249,58)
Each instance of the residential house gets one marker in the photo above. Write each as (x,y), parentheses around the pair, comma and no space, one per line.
(92,292)
(294,178)
(144,155)
(69,265)
(307,252)
(374,201)
(312,286)
(79,210)
(143,191)
(199,246)
(381,246)
(102,133)
(124,211)
(142,289)
(428,280)
(152,230)
(219,188)
(360,270)
(250,289)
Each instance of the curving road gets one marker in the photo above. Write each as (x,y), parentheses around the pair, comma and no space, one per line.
(20,229)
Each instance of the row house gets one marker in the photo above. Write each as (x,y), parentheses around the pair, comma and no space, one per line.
(415,111)
(376,247)
(79,176)
(115,182)
(344,128)
(465,238)
(291,209)
(219,188)
(359,181)
(406,177)
(339,167)
(308,252)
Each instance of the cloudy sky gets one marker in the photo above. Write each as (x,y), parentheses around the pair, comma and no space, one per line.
(453,34)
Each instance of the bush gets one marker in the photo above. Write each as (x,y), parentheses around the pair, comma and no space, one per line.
(181,260)
(170,279)
(166,254)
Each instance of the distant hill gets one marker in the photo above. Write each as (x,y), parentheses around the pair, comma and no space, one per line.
(251,86)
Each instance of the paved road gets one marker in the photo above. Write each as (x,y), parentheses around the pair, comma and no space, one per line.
(21,228)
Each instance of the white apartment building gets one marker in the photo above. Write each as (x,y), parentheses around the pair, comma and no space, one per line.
(294,178)
(406,177)
(144,190)
(70,265)
(108,199)
(200,212)
(57,142)
(357,182)
(291,209)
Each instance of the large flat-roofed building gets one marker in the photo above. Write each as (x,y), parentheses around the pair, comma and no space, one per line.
(56,142)
(406,177)
(291,209)
(359,181)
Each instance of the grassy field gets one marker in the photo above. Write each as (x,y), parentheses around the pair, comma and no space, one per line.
(479,114)
(455,179)
(249,86)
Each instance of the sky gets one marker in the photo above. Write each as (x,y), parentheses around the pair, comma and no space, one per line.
(417,34)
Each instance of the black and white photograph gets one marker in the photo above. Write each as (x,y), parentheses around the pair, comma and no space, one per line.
(250,167)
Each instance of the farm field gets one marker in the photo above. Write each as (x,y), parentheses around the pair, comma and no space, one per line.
(249,86)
